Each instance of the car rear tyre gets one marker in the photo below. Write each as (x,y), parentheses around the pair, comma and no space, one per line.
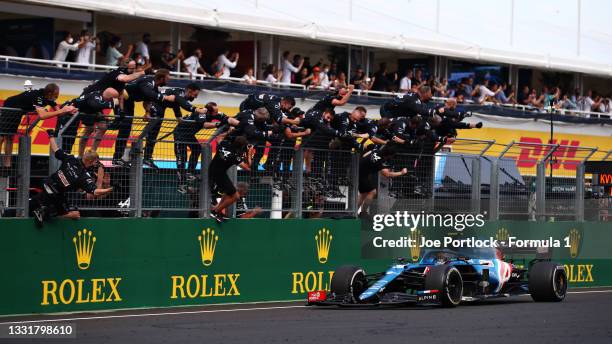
(547,282)
(448,281)
(349,280)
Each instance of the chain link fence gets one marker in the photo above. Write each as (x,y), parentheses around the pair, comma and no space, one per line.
(157,173)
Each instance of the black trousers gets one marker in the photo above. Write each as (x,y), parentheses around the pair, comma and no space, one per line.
(154,127)
(125,128)
(180,151)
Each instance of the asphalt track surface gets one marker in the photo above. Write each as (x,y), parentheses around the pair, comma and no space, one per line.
(584,317)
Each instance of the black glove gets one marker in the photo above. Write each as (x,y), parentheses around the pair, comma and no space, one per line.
(51,133)
(479,125)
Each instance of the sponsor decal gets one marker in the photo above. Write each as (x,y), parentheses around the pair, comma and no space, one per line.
(200,285)
(78,291)
(309,281)
(575,242)
(415,250)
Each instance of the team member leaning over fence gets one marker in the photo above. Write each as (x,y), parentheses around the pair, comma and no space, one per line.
(185,137)
(370,164)
(74,174)
(410,104)
(155,115)
(287,135)
(22,103)
(229,153)
(91,107)
(145,89)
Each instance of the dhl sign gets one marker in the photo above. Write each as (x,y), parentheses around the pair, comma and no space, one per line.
(532,150)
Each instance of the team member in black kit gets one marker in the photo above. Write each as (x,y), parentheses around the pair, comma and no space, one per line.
(90,108)
(28,101)
(229,153)
(73,174)
(330,101)
(276,106)
(410,104)
(116,79)
(370,164)
(183,97)
(141,90)
(185,137)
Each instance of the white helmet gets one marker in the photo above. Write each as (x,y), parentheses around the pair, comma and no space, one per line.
(28,85)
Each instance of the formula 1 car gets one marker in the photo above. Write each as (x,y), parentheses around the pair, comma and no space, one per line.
(445,278)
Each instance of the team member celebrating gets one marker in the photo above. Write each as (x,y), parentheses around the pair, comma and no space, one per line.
(90,108)
(410,104)
(185,137)
(28,101)
(330,101)
(229,153)
(143,89)
(183,97)
(73,174)
(370,164)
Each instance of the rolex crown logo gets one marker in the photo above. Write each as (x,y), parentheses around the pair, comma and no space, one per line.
(502,236)
(574,241)
(84,244)
(415,250)
(323,240)
(208,243)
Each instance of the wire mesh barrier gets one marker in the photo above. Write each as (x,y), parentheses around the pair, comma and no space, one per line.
(157,171)
(14,157)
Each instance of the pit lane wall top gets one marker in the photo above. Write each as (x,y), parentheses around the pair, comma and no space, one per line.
(502,129)
(102,264)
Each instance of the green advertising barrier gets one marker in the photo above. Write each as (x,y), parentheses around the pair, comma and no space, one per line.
(102,264)
(99,264)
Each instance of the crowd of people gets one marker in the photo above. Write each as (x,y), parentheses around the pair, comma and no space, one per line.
(408,121)
(300,70)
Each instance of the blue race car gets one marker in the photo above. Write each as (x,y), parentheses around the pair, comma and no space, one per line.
(446,278)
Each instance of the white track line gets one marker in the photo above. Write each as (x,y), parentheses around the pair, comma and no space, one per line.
(207,311)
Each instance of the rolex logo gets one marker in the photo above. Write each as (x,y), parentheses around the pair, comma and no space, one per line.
(323,240)
(575,239)
(208,243)
(84,244)
(502,236)
(415,250)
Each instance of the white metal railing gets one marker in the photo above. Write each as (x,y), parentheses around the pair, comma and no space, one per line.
(183,75)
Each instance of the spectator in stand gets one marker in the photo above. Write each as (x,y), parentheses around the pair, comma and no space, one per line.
(113,56)
(249,77)
(523,96)
(302,77)
(340,82)
(359,79)
(66,46)
(289,69)
(272,74)
(192,64)
(502,97)
(441,88)
(139,59)
(314,79)
(332,80)
(534,100)
(552,98)
(142,47)
(383,80)
(324,77)
(485,94)
(86,47)
(418,80)
(597,105)
(406,82)
(224,64)
(567,103)
(468,87)
(168,59)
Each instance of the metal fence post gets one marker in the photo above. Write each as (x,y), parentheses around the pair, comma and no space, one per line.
(23,177)
(579,208)
(136,179)
(476,184)
(541,190)
(354,192)
(205,196)
(494,191)
(298,170)
(233,174)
